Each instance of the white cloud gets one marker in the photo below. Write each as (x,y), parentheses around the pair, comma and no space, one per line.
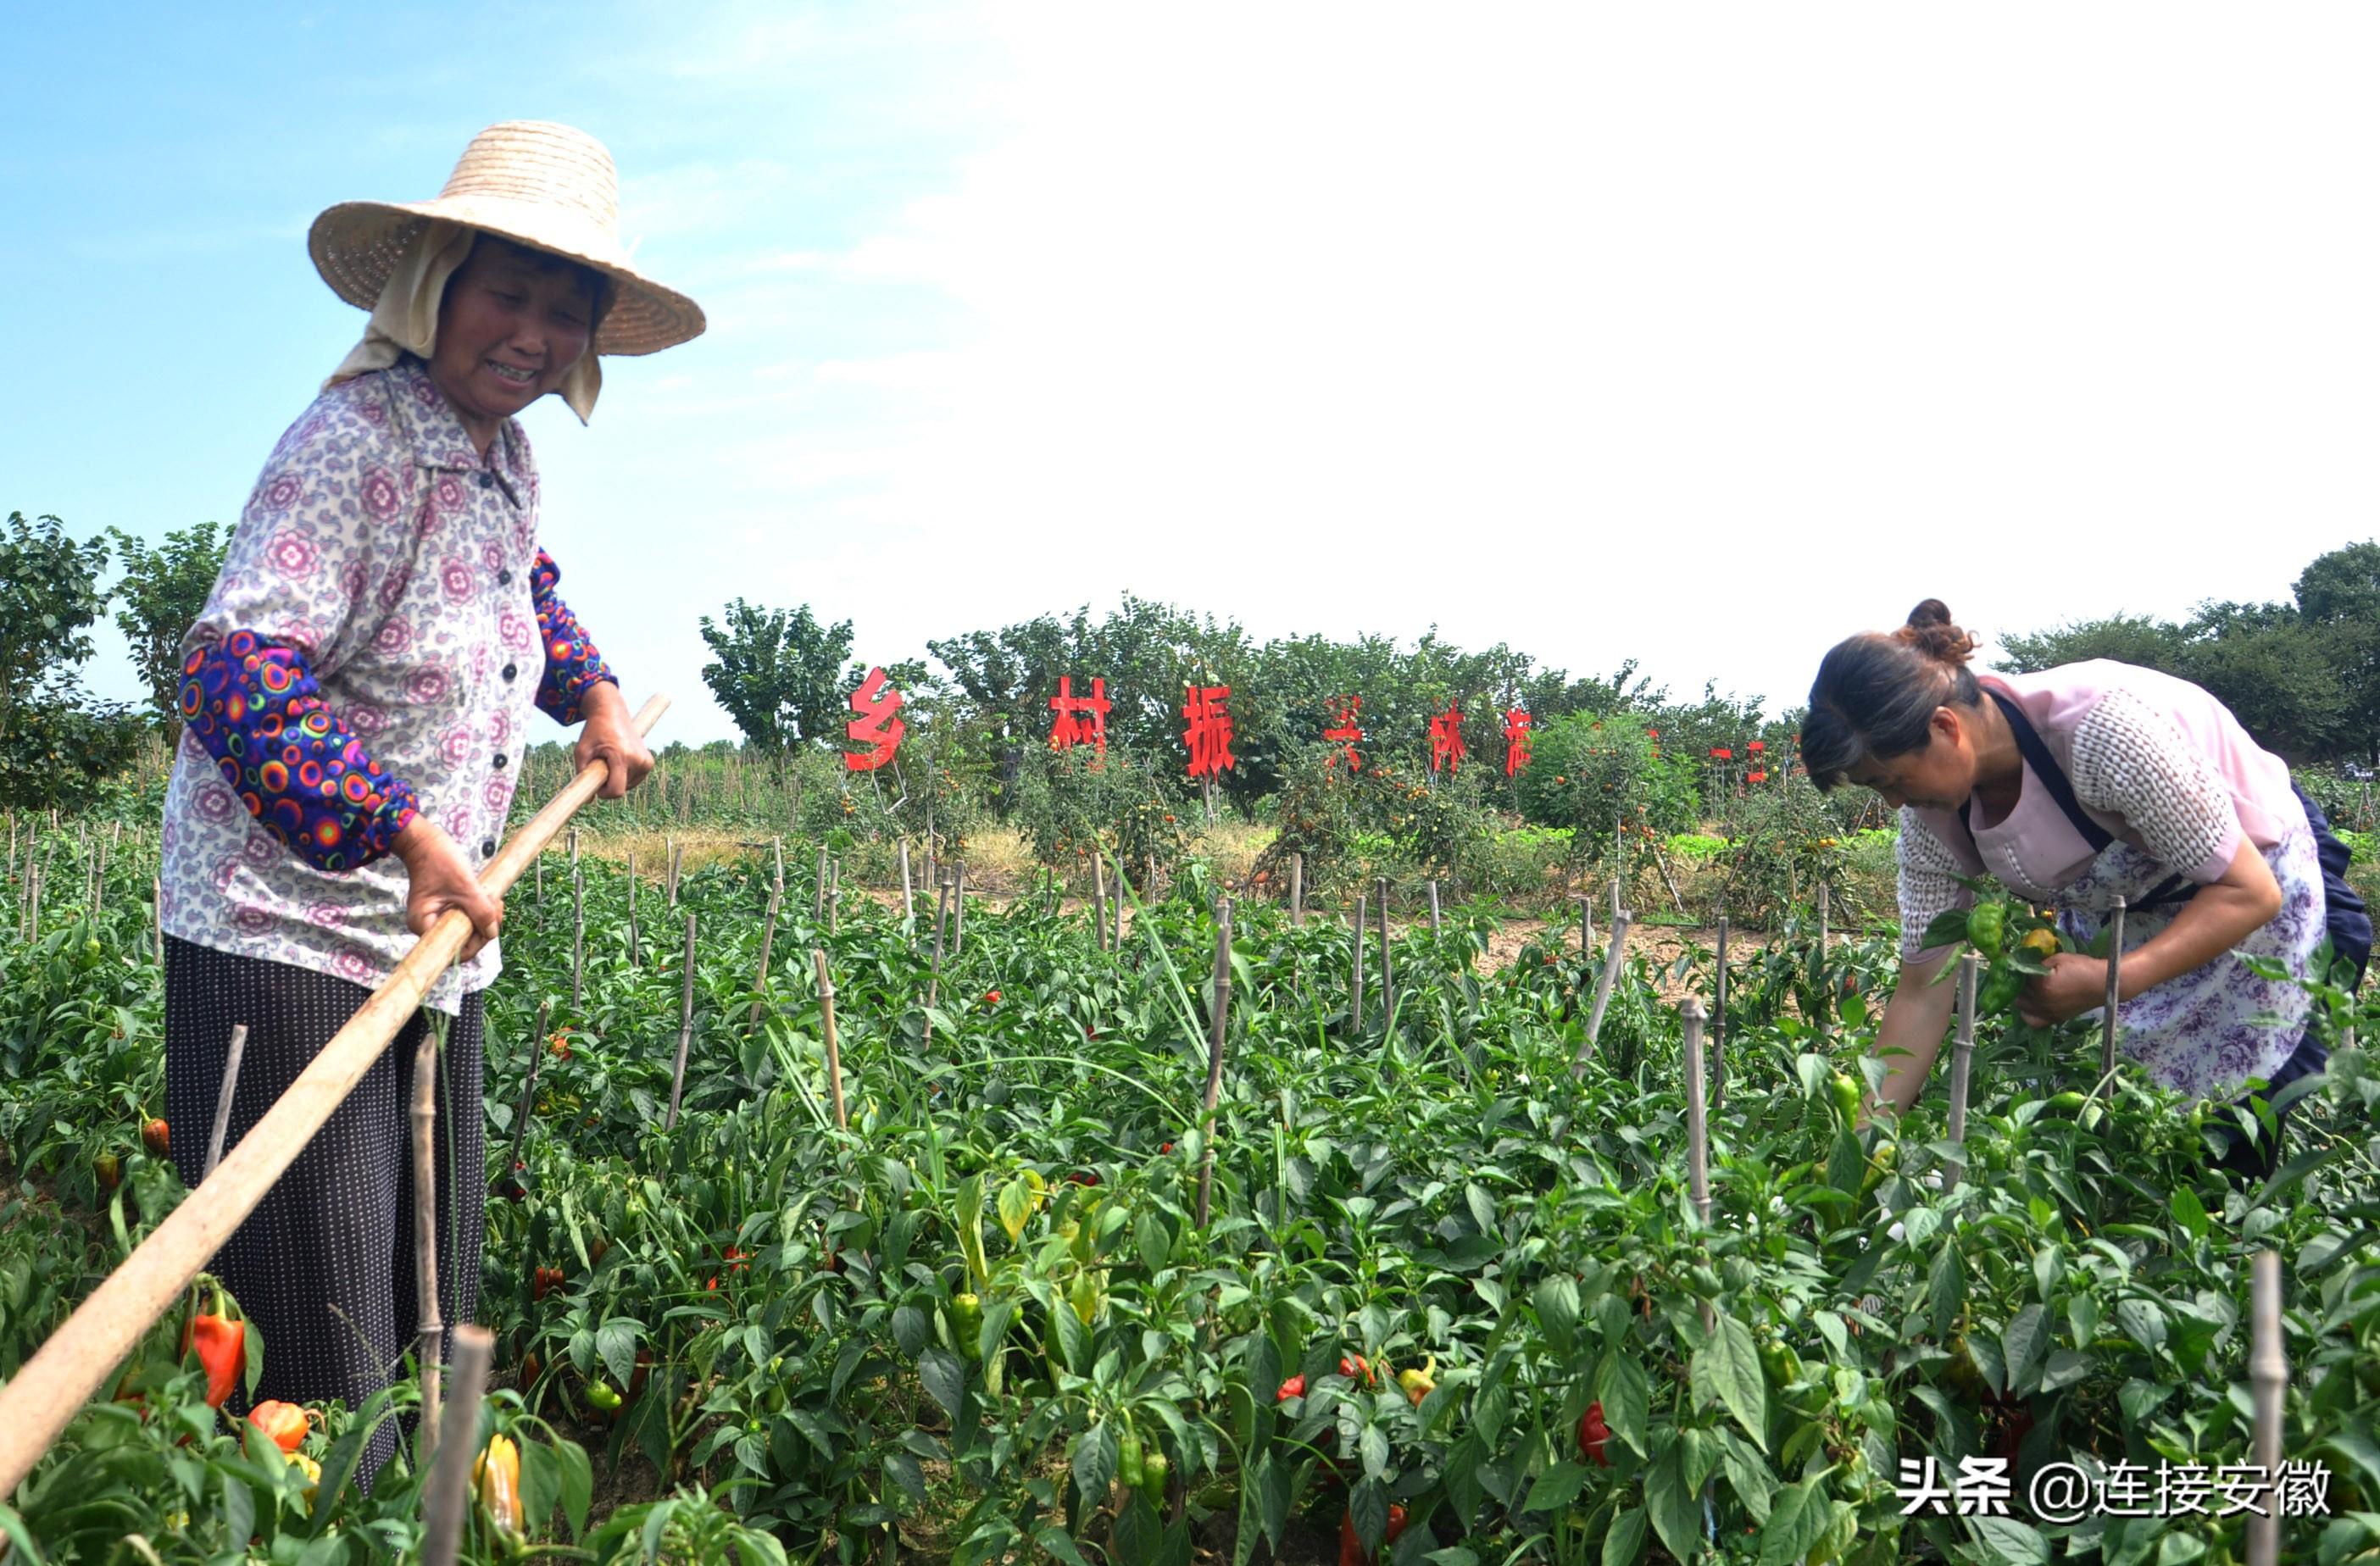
(1700,336)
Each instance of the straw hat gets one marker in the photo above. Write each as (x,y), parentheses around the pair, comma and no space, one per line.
(549,186)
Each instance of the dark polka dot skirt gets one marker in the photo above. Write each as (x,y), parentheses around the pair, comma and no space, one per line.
(324,1265)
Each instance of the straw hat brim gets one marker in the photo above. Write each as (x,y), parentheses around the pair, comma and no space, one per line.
(355,245)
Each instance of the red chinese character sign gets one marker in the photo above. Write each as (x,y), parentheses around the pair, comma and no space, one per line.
(1446,750)
(1345,733)
(876,731)
(1208,730)
(1082,719)
(1516,740)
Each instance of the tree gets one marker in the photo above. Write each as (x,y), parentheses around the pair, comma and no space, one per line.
(778,673)
(2339,592)
(161,597)
(55,744)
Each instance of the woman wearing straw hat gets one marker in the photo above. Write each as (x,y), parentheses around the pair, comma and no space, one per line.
(356,695)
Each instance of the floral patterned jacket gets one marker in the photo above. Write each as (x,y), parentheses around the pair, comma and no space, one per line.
(383,622)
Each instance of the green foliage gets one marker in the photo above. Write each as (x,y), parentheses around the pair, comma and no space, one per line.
(1603,777)
(1073,804)
(1451,1181)
(779,673)
(2303,678)
(55,744)
(161,595)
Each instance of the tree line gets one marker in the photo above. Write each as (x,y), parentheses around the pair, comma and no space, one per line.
(2302,675)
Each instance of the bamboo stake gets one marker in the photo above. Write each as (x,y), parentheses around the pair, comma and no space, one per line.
(634,947)
(1698,1129)
(432,1333)
(833,1049)
(684,1026)
(448,1494)
(237,1048)
(1698,1115)
(529,1098)
(669,867)
(958,909)
(1099,901)
(1585,924)
(817,897)
(934,972)
(1962,1060)
(578,937)
(1355,995)
(833,895)
(1612,953)
(2268,1378)
(1387,975)
(908,900)
(573,851)
(1718,1022)
(1434,926)
(777,848)
(157,919)
(1218,1021)
(1117,944)
(1297,889)
(2115,966)
(768,939)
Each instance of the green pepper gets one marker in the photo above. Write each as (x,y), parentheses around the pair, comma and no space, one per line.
(2067,1103)
(1848,1094)
(1130,1469)
(966,1325)
(1154,1470)
(2000,993)
(1986,923)
(603,1396)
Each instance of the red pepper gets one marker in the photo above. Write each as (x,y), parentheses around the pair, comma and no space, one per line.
(1351,1545)
(546,1280)
(221,1343)
(1594,1436)
(991,997)
(155,1137)
(1355,1368)
(1084,1177)
(1292,1388)
(284,1422)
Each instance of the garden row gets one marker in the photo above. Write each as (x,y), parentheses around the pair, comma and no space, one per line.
(1451,1296)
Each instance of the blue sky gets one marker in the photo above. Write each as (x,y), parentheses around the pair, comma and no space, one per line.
(1696,335)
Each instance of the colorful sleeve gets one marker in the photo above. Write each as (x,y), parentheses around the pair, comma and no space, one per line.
(572,662)
(253,704)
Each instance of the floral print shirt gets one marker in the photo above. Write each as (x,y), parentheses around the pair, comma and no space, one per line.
(360,660)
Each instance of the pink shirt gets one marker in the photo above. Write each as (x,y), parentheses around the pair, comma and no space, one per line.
(2156,760)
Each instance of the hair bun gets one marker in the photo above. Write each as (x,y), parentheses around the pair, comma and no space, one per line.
(1932,632)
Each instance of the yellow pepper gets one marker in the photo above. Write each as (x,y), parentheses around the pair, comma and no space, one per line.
(497,1475)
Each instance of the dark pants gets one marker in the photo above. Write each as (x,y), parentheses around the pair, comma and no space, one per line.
(2349,927)
(324,1267)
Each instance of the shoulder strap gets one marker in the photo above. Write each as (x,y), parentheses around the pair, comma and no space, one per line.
(2053,777)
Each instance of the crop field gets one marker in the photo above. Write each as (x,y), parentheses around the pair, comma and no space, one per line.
(1431,1283)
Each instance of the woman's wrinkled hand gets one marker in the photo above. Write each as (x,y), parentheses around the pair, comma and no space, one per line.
(2074,984)
(439,878)
(610,735)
